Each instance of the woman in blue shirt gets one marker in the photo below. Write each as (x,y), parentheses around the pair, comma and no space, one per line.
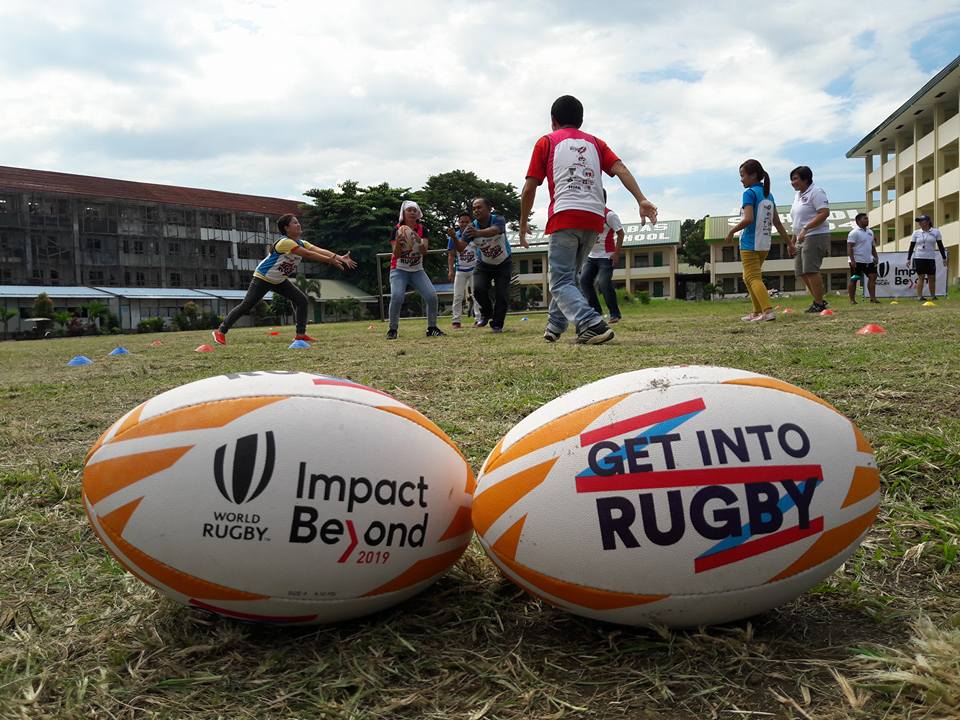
(759,217)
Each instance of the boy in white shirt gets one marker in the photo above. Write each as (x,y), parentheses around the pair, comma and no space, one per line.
(863,259)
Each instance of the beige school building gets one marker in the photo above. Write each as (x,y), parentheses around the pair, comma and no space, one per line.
(648,262)
(912,167)
(726,269)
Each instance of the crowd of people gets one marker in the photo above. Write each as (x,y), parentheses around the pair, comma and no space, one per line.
(585,241)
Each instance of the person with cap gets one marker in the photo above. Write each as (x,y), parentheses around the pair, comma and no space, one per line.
(410,245)
(571,161)
(811,233)
(863,259)
(924,245)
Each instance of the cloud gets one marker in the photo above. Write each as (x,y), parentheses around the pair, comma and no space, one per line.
(275,98)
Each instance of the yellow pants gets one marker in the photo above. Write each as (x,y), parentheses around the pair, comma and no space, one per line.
(752,263)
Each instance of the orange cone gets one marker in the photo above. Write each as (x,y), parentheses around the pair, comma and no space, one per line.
(826,312)
(788,311)
(871,329)
(156,343)
(203,348)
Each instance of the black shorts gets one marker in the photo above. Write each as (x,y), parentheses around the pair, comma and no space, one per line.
(865,269)
(925,267)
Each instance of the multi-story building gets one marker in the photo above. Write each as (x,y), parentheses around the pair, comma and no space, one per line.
(648,262)
(62,229)
(726,270)
(912,166)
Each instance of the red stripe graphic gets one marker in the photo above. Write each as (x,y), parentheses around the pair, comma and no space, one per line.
(252,616)
(353,542)
(758,547)
(348,384)
(641,421)
(692,478)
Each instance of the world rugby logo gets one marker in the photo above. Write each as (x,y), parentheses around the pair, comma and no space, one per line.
(883,269)
(244,464)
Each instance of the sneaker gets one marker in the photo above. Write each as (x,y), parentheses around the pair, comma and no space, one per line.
(853,302)
(550,336)
(305,338)
(435,332)
(455,326)
(391,334)
(613,321)
(219,338)
(481,322)
(816,307)
(496,329)
(874,301)
(766,316)
(595,334)
(751,317)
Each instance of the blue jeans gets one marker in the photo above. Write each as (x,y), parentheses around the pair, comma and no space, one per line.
(565,255)
(599,270)
(399,280)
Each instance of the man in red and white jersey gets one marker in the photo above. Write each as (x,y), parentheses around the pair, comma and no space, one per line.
(571,161)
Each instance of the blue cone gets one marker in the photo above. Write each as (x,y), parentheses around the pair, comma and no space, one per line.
(119,351)
(80,360)
(298,344)
(524,319)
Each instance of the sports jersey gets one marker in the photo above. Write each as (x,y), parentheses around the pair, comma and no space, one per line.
(925,244)
(465,260)
(805,207)
(281,263)
(756,235)
(409,260)
(862,241)
(492,250)
(606,242)
(572,161)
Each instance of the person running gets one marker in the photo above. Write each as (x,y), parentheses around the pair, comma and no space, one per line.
(759,217)
(274,272)
(460,267)
(600,264)
(811,233)
(923,248)
(571,161)
(410,245)
(494,265)
(863,259)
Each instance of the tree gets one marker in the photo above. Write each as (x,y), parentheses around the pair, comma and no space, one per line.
(62,318)
(280,307)
(97,311)
(6,315)
(311,287)
(43,306)
(448,194)
(693,248)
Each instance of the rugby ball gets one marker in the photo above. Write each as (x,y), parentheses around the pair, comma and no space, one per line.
(278,496)
(407,237)
(680,496)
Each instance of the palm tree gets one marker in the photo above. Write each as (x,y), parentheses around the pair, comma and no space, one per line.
(96,311)
(311,287)
(6,315)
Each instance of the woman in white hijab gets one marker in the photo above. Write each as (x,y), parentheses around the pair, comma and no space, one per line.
(409,243)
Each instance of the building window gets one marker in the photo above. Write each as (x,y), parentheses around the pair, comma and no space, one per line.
(536,265)
(658,288)
(838,248)
(173,248)
(6,275)
(138,247)
(524,267)
(93,244)
(126,278)
(728,286)
(658,259)
(174,279)
(643,287)
(95,277)
(774,253)
(838,281)
(141,279)
(789,283)
(641,260)
(727,254)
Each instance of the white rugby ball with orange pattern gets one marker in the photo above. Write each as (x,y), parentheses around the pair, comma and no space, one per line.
(679,496)
(278,496)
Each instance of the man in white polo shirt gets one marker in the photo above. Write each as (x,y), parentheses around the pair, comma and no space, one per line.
(811,233)
(863,259)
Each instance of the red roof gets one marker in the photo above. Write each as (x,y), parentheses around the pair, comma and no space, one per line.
(43,181)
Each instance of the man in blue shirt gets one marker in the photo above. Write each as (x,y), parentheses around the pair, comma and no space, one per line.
(489,235)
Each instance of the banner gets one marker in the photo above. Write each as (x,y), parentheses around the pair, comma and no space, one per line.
(895,279)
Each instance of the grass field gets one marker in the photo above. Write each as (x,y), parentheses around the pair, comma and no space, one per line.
(81,638)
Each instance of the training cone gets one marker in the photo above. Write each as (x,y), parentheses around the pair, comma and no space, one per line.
(119,351)
(524,319)
(298,344)
(203,348)
(369,327)
(156,343)
(80,360)
(776,307)
(826,313)
(929,303)
(788,311)
(894,302)
(871,329)
(274,333)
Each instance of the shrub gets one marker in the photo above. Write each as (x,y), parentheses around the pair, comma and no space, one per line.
(43,306)
(148,325)
(644,297)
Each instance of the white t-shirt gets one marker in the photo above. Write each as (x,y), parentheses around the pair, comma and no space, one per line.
(862,241)
(926,244)
(806,205)
(606,241)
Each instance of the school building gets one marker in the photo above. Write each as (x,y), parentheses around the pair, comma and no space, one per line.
(726,270)
(648,262)
(912,167)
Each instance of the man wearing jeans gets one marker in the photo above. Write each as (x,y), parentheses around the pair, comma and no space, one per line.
(571,162)
(600,264)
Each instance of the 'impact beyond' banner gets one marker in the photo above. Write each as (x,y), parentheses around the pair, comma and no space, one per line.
(895,279)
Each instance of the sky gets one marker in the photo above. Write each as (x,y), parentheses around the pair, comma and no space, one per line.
(274,98)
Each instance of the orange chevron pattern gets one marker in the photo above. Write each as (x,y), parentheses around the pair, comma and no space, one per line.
(554,431)
(460,524)
(194,417)
(497,499)
(104,478)
(865,482)
(420,571)
(773,384)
